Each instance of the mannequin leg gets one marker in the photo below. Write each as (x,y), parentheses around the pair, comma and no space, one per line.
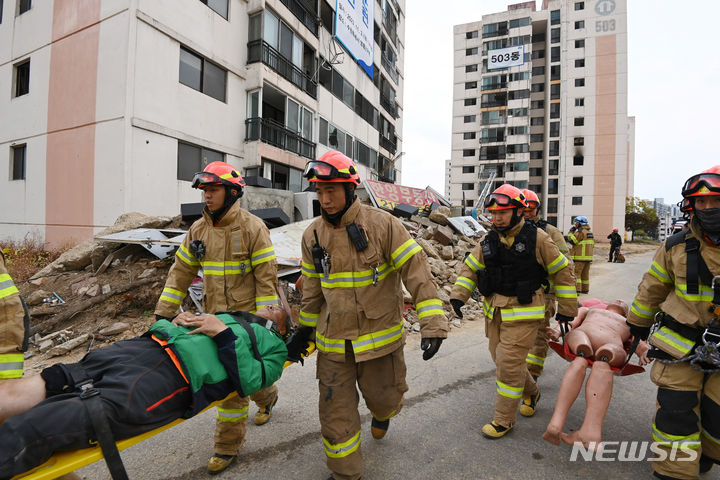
(569,389)
(598,392)
(579,343)
(611,353)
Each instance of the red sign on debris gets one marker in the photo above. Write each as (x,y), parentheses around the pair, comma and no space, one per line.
(388,195)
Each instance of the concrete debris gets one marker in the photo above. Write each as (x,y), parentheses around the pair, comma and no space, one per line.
(37,297)
(105,289)
(114,329)
(446,253)
(428,248)
(443,235)
(93,291)
(146,273)
(64,348)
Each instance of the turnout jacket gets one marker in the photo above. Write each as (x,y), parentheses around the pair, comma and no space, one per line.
(14,326)
(215,367)
(360,300)
(548,256)
(239,267)
(665,285)
(583,244)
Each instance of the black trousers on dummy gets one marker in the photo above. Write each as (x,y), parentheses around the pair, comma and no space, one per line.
(140,387)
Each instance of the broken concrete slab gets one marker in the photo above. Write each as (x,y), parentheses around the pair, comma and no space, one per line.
(428,248)
(443,235)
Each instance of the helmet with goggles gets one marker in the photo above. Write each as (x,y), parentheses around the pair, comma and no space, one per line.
(219,173)
(332,167)
(531,199)
(504,197)
(705,183)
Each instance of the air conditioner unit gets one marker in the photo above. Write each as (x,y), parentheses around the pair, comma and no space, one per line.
(306,206)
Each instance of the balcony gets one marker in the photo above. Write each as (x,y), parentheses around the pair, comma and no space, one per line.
(271,132)
(261,51)
(303,13)
(389,144)
(390,69)
(388,105)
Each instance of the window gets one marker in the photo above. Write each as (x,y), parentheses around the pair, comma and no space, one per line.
(553,151)
(517,112)
(22,78)
(554,129)
(469,118)
(219,6)
(492,135)
(537,87)
(555,17)
(580,25)
(537,104)
(24,6)
(579,62)
(552,207)
(537,121)
(493,117)
(555,54)
(495,29)
(473,34)
(536,137)
(468,152)
(538,37)
(579,102)
(468,186)
(538,70)
(555,110)
(514,77)
(539,53)
(579,6)
(193,158)
(467,169)
(554,91)
(578,160)
(469,136)
(553,186)
(18,162)
(470,102)
(518,148)
(520,130)
(536,155)
(577,180)
(536,172)
(579,141)
(579,121)
(471,68)
(469,85)
(580,43)
(577,200)
(555,35)
(519,22)
(579,82)
(1,10)
(471,51)
(518,94)
(202,75)
(555,72)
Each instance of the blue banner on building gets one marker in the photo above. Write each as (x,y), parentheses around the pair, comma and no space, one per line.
(354,28)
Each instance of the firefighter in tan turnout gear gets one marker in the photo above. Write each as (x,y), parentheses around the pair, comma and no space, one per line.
(538,353)
(674,296)
(353,261)
(511,267)
(581,252)
(14,326)
(234,251)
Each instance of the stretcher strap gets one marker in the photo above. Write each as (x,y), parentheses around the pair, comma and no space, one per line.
(253,341)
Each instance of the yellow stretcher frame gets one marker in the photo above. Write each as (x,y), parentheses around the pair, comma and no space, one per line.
(63,463)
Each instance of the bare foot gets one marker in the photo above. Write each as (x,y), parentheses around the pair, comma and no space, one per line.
(552,435)
(579,437)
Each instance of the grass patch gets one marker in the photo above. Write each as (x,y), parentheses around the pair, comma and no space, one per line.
(26,257)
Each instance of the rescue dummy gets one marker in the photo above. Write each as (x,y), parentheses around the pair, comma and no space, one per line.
(582,243)
(538,353)
(234,251)
(354,258)
(14,326)
(678,297)
(511,267)
(133,386)
(599,335)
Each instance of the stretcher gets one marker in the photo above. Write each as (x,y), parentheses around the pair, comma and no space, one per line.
(65,462)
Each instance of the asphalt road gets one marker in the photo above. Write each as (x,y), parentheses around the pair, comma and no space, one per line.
(437,435)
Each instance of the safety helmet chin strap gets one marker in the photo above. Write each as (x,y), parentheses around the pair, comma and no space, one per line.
(349,198)
(514,221)
(230,199)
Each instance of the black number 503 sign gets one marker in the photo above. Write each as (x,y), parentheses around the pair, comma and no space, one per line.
(605,26)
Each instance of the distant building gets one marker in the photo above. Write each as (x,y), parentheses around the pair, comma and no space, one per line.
(667,215)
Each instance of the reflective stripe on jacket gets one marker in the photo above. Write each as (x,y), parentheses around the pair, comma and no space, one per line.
(12,326)
(239,267)
(360,301)
(548,255)
(664,286)
(583,248)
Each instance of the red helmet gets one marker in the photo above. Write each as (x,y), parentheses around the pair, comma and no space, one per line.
(332,167)
(531,199)
(684,205)
(504,197)
(219,173)
(614,229)
(702,184)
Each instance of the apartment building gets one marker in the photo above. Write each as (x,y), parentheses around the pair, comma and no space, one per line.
(111,106)
(540,100)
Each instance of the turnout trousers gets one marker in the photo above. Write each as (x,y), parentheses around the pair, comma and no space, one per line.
(509,343)
(582,276)
(231,421)
(687,416)
(538,352)
(148,392)
(382,384)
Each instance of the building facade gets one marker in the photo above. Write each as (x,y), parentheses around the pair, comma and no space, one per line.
(556,120)
(667,215)
(111,106)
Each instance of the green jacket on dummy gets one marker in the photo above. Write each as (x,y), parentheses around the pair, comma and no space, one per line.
(218,366)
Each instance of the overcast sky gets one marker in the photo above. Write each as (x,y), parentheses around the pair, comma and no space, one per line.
(674,74)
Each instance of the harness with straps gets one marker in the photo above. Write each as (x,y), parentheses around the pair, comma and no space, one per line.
(514,271)
(542,224)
